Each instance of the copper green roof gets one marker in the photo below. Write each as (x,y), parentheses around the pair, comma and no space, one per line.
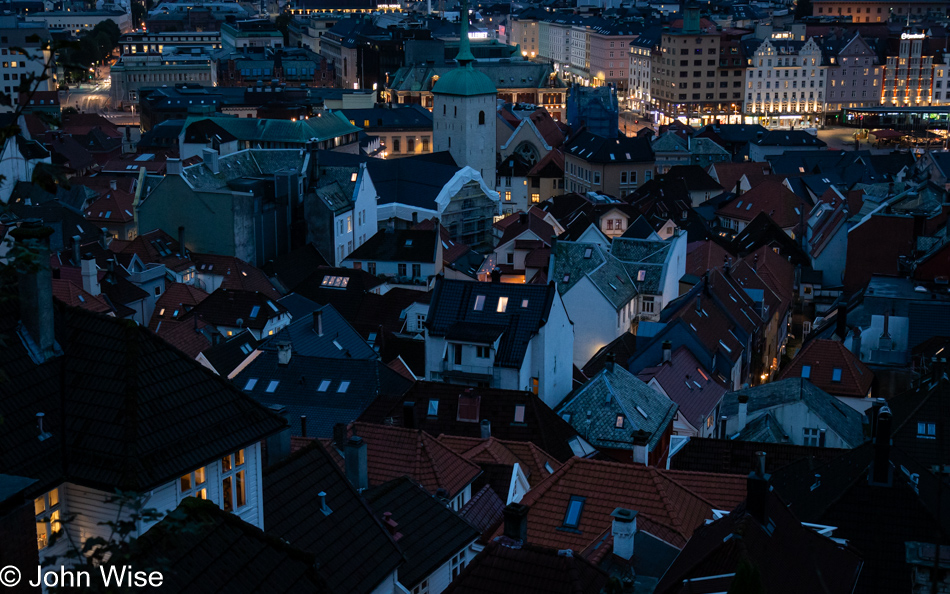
(464,81)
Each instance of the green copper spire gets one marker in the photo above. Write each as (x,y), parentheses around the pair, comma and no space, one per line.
(465,56)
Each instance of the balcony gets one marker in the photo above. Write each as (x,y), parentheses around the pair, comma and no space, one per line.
(467,373)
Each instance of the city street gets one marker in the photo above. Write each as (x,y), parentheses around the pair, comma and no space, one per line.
(94,97)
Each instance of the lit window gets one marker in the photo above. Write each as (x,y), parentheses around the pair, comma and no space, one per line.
(272,387)
(524,303)
(250,384)
(502,304)
(806,371)
(619,422)
(47,510)
(519,413)
(233,485)
(192,484)
(479,302)
(574,508)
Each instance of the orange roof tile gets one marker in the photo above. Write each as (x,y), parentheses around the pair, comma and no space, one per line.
(72,294)
(823,357)
(533,460)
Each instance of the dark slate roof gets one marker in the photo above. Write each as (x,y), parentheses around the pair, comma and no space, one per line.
(506,566)
(730,456)
(840,418)
(431,532)
(339,339)
(789,138)
(597,149)
(226,356)
(541,425)
(245,309)
(575,261)
(390,116)
(453,305)
(688,385)
(484,509)
(354,552)
(623,347)
(595,406)
(748,553)
(298,305)
(218,551)
(291,269)
(349,386)
(408,245)
(125,409)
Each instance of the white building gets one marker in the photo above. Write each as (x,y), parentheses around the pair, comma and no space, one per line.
(14,67)
(67,21)
(785,82)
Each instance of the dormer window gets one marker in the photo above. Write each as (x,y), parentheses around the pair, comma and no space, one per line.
(926,431)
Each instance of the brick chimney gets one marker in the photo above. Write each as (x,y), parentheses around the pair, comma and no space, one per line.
(284,353)
(623,528)
(516,522)
(355,462)
(667,351)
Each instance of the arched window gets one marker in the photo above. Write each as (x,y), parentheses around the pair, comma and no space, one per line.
(481,118)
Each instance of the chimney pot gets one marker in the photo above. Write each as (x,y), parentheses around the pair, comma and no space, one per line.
(35,289)
(516,522)
(609,363)
(623,529)
(757,490)
(303,425)
(667,351)
(355,462)
(485,426)
(90,276)
(284,353)
(318,322)
(76,248)
(743,411)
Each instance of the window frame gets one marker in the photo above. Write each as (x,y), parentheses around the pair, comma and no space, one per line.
(234,480)
(49,518)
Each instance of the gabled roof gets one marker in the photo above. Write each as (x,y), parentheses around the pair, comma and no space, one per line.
(333,125)
(528,569)
(541,426)
(113,207)
(622,348)
(453,308)
(740,551)
(407,245)
(291,269)
(484,509)
(597,149)
(227,356)
(827,360)
(126,410)
(575,261)
(238,309)
(190,337)
(325,391)
(845,421)
(393,452)
(177,300)
(72,294)
(770,197)
(667,509)
(220,550)
(354,552)
(534,462)
(732,456)
(688,385)
(520,223)
(789,138)
(644,260)
(338,339)
(431,533)
(729,174)
(613,405)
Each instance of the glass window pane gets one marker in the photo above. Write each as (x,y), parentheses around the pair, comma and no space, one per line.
(239,458)
(201,493)
(226,464)
(42,535)
(239,488)
(39,505)
(200,476)
(54,520)
(54,497)
(227,497)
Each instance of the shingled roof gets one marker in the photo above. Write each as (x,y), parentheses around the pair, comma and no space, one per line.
(831,367)
(125,410)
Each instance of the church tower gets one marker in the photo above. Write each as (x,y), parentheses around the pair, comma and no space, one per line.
(463,113)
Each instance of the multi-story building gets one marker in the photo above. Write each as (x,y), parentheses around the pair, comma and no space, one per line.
(878,11)
(940,95)
(785,81)
(697,71)
(252,33)
(526,32)
(154,43)
(297,66)
(73,23)
(14,66)
(608,60)
(640,71)
(612,166)
(852,72)
(404,130)
(908,75)
(173,65)
(306,31)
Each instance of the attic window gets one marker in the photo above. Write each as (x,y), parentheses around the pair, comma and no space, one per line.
(574,508)
(338,282)
(433,410)
(255,310)
(926,430)
(801,170)
(324,386)
(272,306)
(468,407)
(353,177)
(588,252)
(567,278)
(739,204)
(641,276)
(343,387)
(806,371)
(748,206)
(272,387)
(337,345)
(250,384)
(479,302)
(524,303)
(519,413)
(161,312)
(246,349)
(502,304)
(619,422)
(723,345)
(836,374)
(547,467)
(408,243)
(642,412)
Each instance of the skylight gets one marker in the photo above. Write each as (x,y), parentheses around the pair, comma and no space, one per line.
(255,310)
(272,387)
(567,277)
(324,386)
(723,345)
(408,243)
(479,302)
(343,387)
(502,304)
(748,206)
(250,384)
(519,413)
(836,374)
(574,508)
(337,345)
(588,252)
(642,412)
(433,410)
(806,371)
(641,276)
(524,303)
(246,349)
(353,177)
(619,422)
(272,306)
(338,282)
(739,205)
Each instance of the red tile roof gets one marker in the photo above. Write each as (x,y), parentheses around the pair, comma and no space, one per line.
(775,271)
(729,174)
(392,452)
(823,357)
(177,297)
(145,246)
(400,367)
(236,273)
(114,207)
(80,124)
(533,460)
(72,294)
(688,385)
(547,127)
(771,197)
(704,255)
(185,336)
(667,508)
(725,491)
(533,222)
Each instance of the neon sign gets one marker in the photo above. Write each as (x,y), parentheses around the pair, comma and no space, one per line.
(912,36)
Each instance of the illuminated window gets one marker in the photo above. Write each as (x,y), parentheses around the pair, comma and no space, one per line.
(233,484)
(193,484)
(47,509)
(502,304)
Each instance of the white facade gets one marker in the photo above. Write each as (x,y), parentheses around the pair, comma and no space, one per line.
(797,421)
(596,320)
(465,126)
(940,94)
(785,87)
(638,87)
(351,228)
(76,22)
(14,167)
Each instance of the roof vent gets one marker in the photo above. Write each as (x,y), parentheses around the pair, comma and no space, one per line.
(43,434)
